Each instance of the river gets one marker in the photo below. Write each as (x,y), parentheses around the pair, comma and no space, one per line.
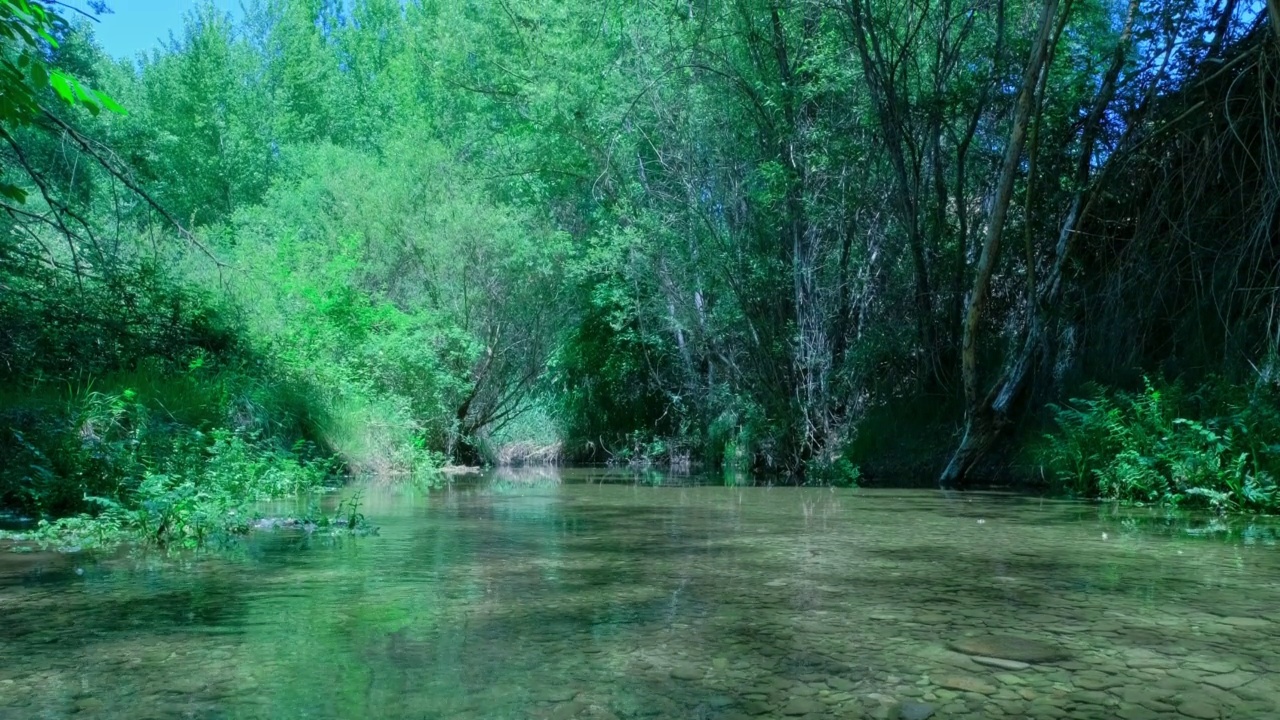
(587,594)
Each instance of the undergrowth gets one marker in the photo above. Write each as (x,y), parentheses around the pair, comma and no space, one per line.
(1217,447)
(145,409)
(106,466)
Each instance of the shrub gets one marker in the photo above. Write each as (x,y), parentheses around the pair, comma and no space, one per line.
(1211,448)
(837,471)
(103,465)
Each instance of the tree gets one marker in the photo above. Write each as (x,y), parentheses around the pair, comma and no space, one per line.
(26,76)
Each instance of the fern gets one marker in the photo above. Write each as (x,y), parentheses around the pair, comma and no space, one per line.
(1147,447)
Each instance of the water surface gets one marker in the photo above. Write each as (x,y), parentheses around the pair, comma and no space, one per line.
(544,596)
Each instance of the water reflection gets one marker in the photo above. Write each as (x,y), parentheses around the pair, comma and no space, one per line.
(599,594)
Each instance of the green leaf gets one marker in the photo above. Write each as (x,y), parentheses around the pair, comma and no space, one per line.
(81,91)
(26,36)
(86,97)
(48,38)
(110,104)
(62,85)
(13,192)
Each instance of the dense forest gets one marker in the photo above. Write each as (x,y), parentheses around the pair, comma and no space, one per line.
(895,241)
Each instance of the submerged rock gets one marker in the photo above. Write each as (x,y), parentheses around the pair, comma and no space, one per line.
(568,710)
(802,706)
(557,694)
(915,711)
(840,684)
(1009,647)
(1230,681)
(687,672)
(967,684)
(89,706)
(1001,663)
(1244,622)
(1198,708)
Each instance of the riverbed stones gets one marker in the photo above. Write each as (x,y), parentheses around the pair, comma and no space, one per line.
(802,706)
(930,618)
(1137,712)
(1089,697)
(1015,708)
(835,698)
(839,683)
(815,628)
(1095,680)
(567,710)
(1141,659)
(719,701)
(1001,663)
(186,686)
(1217,667)
(1009,647)
(700,661)
(1199,708)
(915,711)
(1230,681)
(1044,709)
(1151,698)
(89,706)
(557,694)
(687,672)
(967,684)
(935,654)
(1245,622)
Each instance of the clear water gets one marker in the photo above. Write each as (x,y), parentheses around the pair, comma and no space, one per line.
(552,597)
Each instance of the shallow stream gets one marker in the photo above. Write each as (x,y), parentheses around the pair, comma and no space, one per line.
(550,595)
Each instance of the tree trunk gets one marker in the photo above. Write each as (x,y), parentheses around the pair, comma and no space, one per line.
(979,429)
(985,421)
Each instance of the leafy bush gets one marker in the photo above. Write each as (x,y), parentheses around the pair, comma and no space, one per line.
(1213,448)
(100,465)
(193,489)
(838,471)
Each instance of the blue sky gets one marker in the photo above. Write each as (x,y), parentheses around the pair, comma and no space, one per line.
(137,26)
